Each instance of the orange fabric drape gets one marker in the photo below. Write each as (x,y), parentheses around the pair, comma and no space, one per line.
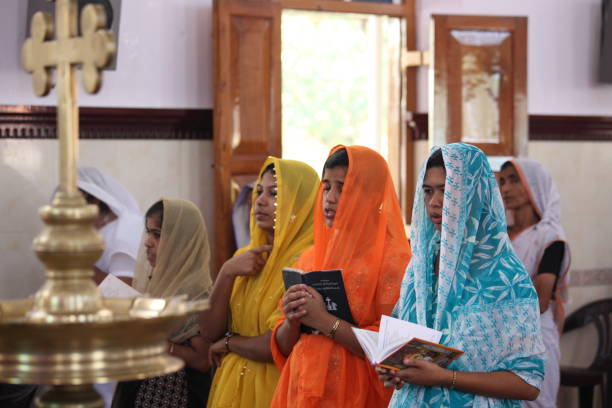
(368,242)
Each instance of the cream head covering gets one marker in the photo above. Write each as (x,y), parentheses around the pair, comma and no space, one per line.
(183,261)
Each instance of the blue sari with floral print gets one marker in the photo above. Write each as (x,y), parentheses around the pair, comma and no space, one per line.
(482,299)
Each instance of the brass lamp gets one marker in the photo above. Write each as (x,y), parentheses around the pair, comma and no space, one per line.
(68,336)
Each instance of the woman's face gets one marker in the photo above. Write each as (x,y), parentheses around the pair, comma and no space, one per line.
(102,218)
(512,190)
(153,231)
(433,191)
(264,208)
(333,181)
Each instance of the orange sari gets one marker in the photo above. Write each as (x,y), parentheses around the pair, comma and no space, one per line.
(368,242)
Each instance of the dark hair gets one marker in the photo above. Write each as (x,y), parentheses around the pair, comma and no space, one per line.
(157,208)
(337,159)
(506,165)
(436,160)
(103,208)
(269,167)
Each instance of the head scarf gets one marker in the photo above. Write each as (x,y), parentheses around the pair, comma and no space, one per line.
(546,201)
(485,303)
(126,236)
(183,261)
(254,301)
(368,243)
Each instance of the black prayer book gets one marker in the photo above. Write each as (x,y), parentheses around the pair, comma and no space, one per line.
(331,287)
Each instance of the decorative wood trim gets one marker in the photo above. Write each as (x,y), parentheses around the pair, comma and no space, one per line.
(39,122)
(570,128)
(388,9)
(546,128)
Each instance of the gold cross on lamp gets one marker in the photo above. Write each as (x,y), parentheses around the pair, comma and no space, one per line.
(93,51)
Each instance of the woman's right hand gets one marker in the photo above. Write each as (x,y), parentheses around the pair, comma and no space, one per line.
(292,301)
(248,263)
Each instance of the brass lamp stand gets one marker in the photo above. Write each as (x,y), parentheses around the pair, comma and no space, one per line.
(68,336)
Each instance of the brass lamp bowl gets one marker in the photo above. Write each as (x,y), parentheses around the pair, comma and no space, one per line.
(129,344)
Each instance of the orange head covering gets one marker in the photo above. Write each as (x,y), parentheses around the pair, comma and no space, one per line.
(368,243)
(368,229)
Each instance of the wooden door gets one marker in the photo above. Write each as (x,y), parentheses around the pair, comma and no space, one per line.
(480,82)
(247,118)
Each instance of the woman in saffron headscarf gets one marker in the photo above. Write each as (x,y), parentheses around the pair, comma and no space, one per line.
(465,280)
(532,198)
(358,229)
(244,300)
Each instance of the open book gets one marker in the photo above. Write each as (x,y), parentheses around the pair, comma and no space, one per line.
(113,287)
(399,339)
(329,284)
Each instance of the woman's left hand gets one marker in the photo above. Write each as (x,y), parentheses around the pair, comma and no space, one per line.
(316,315)
(216,351)
(422,372)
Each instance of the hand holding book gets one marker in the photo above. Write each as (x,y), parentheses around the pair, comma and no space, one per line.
(323,294)
(399,340)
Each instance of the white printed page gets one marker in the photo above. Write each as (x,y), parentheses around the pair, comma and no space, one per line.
(394,333)
(368,340)
(113,287)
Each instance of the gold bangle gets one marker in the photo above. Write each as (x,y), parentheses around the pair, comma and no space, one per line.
(332,332)
(228,336)
(452,386)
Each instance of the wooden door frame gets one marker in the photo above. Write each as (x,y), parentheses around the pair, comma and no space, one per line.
(242,164)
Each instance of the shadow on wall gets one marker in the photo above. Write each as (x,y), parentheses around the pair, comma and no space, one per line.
(21,273)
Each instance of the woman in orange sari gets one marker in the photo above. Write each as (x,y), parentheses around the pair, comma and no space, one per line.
(358,229)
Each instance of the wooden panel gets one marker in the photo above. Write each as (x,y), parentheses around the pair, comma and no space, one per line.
(408,179)
(393,10)
(39,122)
(554,128)
(486,72)
(247,102)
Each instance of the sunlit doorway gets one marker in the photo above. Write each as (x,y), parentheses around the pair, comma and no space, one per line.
(341,84)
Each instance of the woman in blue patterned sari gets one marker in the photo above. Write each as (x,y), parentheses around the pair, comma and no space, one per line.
(465,280)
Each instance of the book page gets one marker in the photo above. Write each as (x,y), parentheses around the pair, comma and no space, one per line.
(395,333)
(368,340)
(113,287)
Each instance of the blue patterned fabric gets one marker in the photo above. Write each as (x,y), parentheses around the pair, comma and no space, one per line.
(485,303)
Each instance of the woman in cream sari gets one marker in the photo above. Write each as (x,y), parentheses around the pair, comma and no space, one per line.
(532,198)
(249,286)
(175,261)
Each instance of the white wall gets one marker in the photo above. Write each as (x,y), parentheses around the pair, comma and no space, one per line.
(148,169)
(562,56)
(165,54)
(164,57)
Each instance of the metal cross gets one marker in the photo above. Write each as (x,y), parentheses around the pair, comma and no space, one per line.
(93,51)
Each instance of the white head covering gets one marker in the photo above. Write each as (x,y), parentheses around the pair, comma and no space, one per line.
(123,234)
(531,243)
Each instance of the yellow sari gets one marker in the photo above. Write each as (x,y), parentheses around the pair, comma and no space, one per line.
(240,382)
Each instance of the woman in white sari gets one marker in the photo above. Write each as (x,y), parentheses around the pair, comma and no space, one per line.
(119,221)
(533,205)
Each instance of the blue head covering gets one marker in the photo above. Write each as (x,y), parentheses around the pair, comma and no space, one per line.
(482,299)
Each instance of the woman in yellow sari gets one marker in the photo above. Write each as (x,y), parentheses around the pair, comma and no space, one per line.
(245,297)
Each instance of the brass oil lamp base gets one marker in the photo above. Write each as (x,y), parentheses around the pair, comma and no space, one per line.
(71,356)
(68,336)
